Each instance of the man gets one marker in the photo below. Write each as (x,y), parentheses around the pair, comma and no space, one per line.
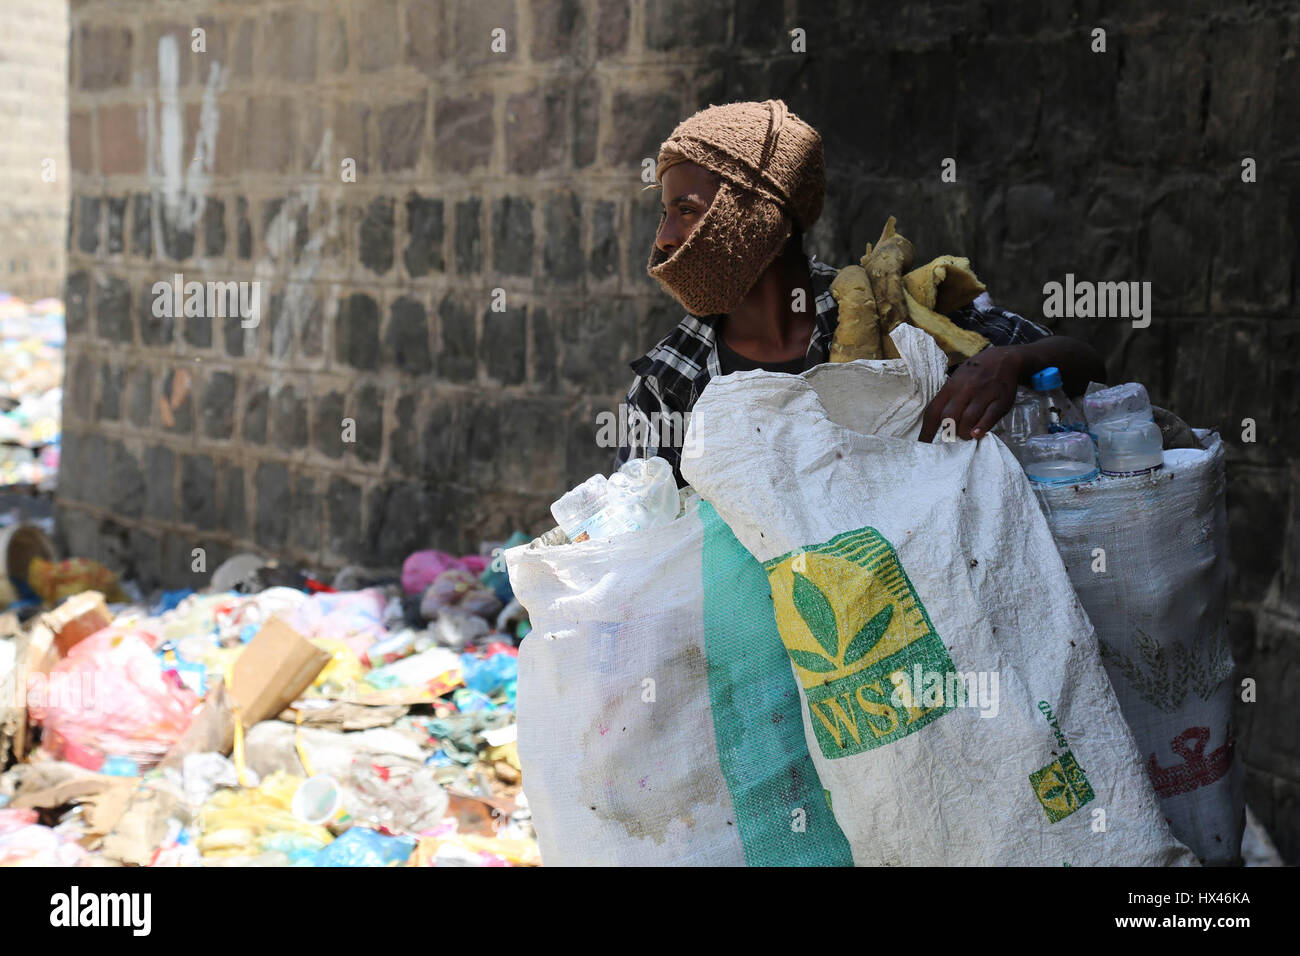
(741,185)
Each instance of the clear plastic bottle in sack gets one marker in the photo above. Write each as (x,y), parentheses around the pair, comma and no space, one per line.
(1059,413)
(1021,423)
(644,493)
(583,514)
(641,494)
(1125,404)
(1064,457)
(1128,447)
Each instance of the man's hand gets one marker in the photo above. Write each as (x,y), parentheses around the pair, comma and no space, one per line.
(978,393)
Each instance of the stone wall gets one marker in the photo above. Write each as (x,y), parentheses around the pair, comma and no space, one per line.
(519,171)
(33,146)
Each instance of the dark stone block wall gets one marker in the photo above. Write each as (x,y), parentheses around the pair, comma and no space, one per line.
(514,176)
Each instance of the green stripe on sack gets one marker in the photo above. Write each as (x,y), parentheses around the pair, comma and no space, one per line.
(782,812)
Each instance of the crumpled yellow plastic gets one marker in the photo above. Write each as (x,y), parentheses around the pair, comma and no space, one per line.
(254,820)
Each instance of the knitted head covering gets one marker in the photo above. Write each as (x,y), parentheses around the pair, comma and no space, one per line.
(773,177)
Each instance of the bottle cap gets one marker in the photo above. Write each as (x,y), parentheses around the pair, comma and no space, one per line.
(1046,380)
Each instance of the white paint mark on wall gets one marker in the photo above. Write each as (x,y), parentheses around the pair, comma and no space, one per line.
(185,179)
(298,272)
(171,125)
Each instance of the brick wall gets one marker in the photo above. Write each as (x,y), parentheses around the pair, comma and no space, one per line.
(33,146)
(519,171)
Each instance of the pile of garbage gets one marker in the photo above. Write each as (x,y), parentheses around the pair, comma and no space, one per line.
(31,391)
(272,720)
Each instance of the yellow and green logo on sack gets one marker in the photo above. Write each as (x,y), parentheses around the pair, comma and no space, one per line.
(1061,787)
(856,630)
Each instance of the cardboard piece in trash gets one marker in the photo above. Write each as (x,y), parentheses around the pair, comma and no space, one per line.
(276,666)
(76,619)
(341,715)
(477,814)
(103,799)
(211,731)
(42,646)
(427,693)
(143,826)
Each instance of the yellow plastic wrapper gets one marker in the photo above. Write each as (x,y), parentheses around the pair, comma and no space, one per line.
(514,852)
(343,672)
(55,580)
(251,821)
(507,752)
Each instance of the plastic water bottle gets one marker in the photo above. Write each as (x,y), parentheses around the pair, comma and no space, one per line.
(1059,413)
(1021,423)
(1060,458)
(1126,403)
(578,510)
(641,494)
(644,492)
(1129,447)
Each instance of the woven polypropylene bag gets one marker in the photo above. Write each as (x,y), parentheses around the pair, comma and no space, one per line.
(1147,556)
(902,574)
(658,718)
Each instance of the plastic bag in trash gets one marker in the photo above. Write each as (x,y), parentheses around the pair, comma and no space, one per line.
(490,675)
(457,629)
(252,821)
(24,842)
(495,576)
(354,617)
(54,580)
(421,568)
(110,695)
(361,846)
(392,793)
(459,589)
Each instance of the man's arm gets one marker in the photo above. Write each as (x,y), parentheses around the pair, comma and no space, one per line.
(983,388)
(1078,361)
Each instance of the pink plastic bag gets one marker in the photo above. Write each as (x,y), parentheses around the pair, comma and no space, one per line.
(11,820)
(23,842)
(111,697)
(421,568)
(354,617)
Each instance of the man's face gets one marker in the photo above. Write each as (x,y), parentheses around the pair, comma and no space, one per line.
(688,190)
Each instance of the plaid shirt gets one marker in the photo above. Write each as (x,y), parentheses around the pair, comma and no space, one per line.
(673,374)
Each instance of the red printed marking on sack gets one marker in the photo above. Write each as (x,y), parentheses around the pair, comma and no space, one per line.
(1197,769)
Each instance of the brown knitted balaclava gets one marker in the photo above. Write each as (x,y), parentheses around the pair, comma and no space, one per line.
(773,176)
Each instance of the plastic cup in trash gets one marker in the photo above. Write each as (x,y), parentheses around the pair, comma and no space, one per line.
(317,800)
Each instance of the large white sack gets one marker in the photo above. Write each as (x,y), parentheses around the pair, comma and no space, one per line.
(658,718)
(914,561)
(1147,556)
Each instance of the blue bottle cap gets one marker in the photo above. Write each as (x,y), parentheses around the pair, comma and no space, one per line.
(1046,380)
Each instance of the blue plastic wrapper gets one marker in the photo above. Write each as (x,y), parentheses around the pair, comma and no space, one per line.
(169,600)
(361,846)
(490,675)
(468,700)
(118,766)
(439,758)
